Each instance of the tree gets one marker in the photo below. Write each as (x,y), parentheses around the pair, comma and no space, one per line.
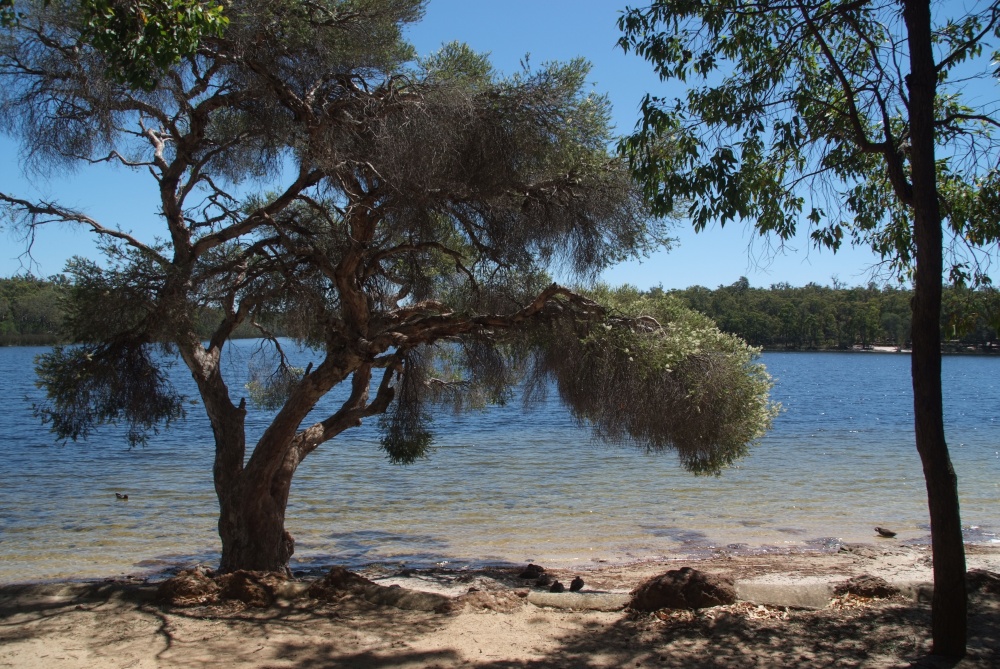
(397,216)
(847,116)
(140,38)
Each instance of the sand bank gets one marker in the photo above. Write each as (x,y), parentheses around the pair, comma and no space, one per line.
(119,624)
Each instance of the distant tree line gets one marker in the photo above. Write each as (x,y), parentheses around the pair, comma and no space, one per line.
(816,317)
(32,312)
(781,317)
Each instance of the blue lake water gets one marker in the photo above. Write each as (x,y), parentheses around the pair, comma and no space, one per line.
(509,485)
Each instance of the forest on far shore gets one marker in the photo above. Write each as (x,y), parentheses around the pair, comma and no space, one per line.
(816,318)
(781,317)
(32,312)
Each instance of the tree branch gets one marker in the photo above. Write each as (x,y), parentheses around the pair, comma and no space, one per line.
(34,211)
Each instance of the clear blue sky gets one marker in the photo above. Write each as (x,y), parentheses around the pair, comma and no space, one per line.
(508,29)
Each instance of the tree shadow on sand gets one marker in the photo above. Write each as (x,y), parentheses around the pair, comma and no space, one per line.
(122,623)
(882,634)
(888,634)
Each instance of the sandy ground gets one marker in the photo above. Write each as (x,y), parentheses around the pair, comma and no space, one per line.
(505,622)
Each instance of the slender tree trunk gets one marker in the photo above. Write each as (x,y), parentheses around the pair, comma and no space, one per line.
(948,617)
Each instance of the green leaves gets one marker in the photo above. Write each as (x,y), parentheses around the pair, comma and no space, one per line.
(7,13)
(456,63)
(406,435)
(798,115)
(661,376)
(114,372)
(142,38)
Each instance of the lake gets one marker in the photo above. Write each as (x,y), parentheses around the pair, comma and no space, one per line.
(509,485)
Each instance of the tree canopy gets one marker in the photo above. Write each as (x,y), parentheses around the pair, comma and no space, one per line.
(401,216)
(814,317)
(31,310)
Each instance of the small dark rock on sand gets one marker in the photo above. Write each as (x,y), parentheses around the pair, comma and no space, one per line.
(532,571)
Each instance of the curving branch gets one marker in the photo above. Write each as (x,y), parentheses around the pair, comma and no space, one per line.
(50,212)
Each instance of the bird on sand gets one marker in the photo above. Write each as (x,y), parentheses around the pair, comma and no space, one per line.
(557,587)
(884,533)
(576,585)
(120,496)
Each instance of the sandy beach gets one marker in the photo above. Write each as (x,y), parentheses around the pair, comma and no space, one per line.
(787,616)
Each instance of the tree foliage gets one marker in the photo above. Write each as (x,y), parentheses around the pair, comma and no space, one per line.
(780,317)
(799,115)
(814,317)
(31,310)
(140,39)
(672,378)
(107,384)
(399,216)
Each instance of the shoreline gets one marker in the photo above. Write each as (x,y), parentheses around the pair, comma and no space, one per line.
(500,621)
(880,349)
(316,566)
(637,563)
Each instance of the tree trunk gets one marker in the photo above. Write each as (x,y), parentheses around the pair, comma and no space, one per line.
(252,503)
(948,607)
(252,527)
(252,499)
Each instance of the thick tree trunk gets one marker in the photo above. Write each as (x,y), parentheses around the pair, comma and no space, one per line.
(252,528)
(252,498)
(948,616)
(252,506)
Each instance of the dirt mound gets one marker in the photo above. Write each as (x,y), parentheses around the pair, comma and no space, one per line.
(986,582)
(501,601)
(684,588)
(190,587)
(340,583)
(253,588)
(194,587)
(866,585)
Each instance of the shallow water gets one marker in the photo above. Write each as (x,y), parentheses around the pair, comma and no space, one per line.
(509,485)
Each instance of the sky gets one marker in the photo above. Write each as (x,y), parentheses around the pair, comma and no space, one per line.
(544,30)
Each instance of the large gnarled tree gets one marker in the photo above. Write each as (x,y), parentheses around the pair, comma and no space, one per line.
(847,117)
(397,216)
